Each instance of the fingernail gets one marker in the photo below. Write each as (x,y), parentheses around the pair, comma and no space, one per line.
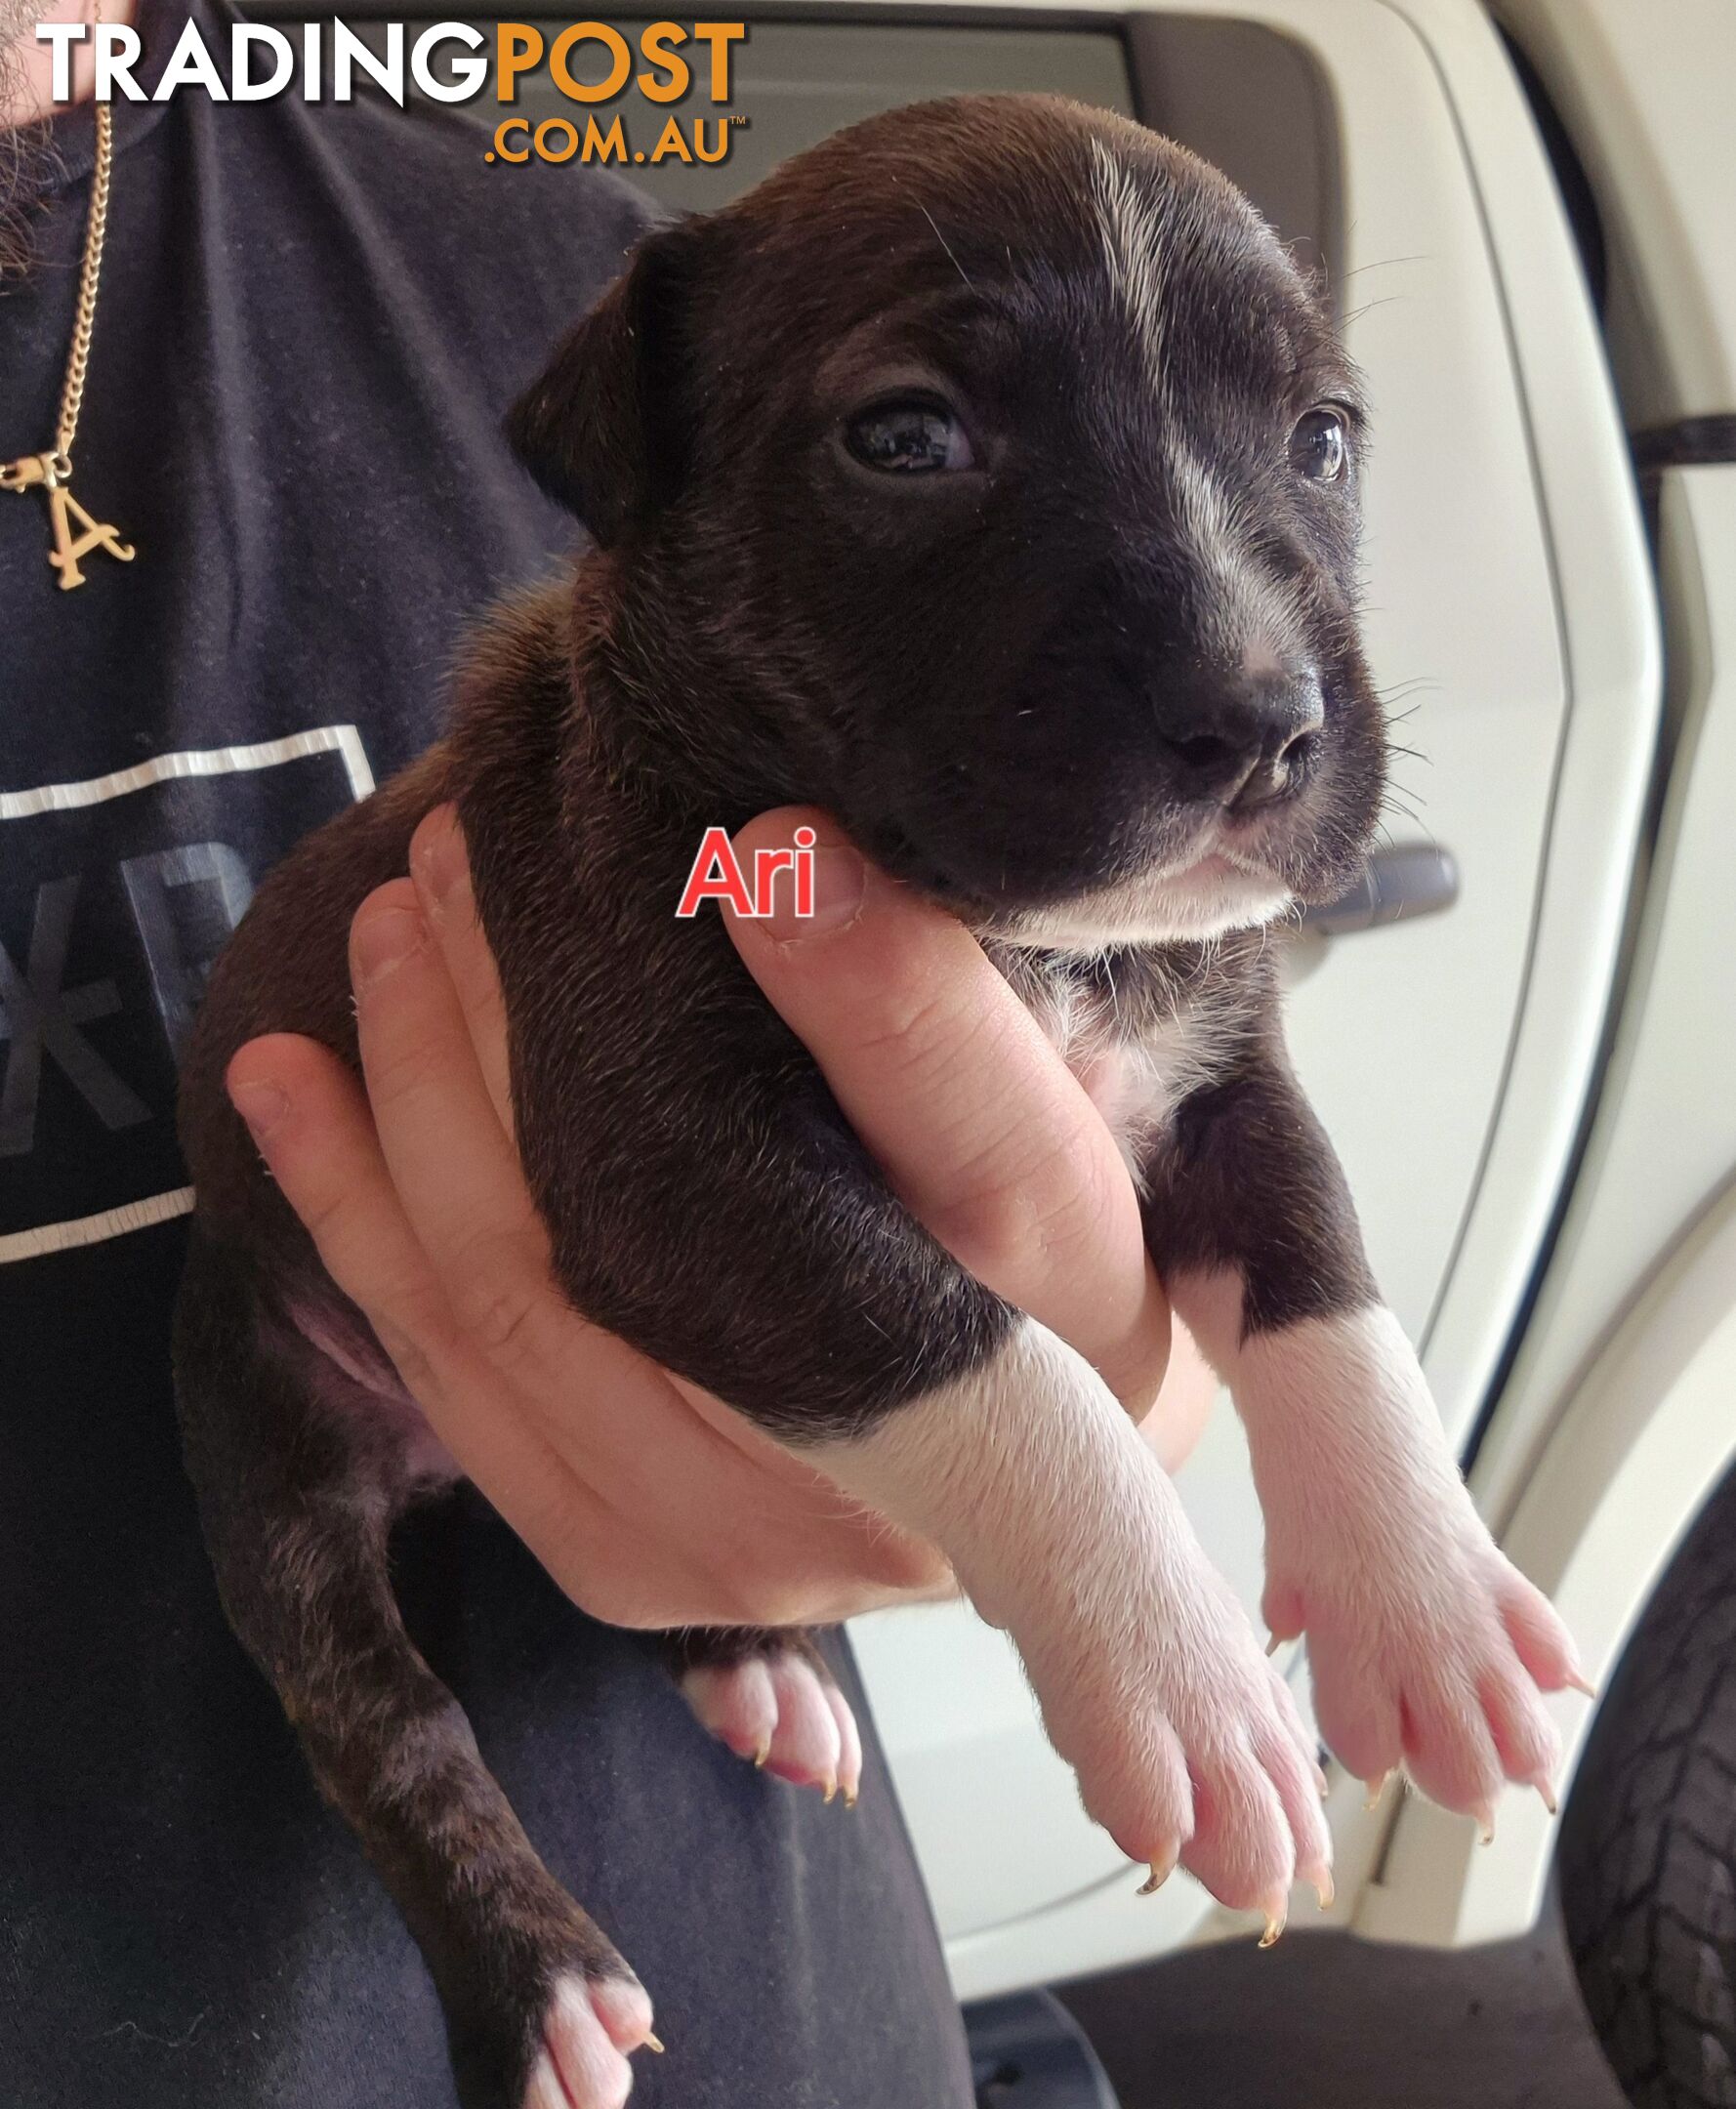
(840,881)
(262,1104)
(437,859)
(384,941)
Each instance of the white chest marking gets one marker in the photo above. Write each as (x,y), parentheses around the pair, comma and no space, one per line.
(1136,1086)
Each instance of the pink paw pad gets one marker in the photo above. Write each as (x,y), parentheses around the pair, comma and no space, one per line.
(781,1712)
(589,2030)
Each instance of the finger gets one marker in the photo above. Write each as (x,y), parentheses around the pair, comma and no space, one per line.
(876,1553)
(310,1123)
(440,871)
(453,1164)
(946,1077)
(1183,1404)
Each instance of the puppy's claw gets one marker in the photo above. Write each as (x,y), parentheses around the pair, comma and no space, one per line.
(652,2042)
(760,1755)
(829,1789)
(1320,1880)
(1547,1792)
(1577,1680)
(1273,1643)
(1485,1823)
(1277,1913)
(1160,1871)
(1322,1782)
(1377,1786)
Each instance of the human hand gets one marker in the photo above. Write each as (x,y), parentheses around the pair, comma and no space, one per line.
(651,1502)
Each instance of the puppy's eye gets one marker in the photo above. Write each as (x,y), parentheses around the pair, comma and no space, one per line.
(909,437)
(1320,446)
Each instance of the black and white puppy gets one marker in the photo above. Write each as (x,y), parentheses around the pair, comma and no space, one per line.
(989,477)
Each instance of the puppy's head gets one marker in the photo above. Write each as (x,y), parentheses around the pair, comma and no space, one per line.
(990,476)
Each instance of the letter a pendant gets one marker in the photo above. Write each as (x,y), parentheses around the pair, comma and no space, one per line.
(54,473)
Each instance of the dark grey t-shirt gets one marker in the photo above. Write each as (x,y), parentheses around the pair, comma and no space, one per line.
(310,325)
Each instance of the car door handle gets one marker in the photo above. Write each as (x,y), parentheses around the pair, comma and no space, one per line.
(1418,878)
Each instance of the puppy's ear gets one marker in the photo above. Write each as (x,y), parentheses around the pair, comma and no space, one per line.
(600,429)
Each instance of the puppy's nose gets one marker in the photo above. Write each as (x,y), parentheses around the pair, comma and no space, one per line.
(1243,740)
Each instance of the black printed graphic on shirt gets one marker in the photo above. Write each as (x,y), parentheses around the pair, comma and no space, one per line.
(115,897)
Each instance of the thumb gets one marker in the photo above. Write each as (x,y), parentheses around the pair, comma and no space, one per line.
(981,1128)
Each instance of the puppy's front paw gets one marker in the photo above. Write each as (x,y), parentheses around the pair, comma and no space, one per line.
(589,2027)
(1065,1532)
(1428,1649)
(1187,1744)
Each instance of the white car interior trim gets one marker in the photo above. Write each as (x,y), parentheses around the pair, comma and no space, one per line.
(1606,615)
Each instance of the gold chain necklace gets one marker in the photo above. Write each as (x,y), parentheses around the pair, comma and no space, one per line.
(53,472)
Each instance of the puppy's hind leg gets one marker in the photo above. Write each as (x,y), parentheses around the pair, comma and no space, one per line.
(299,1485)
(768,1694)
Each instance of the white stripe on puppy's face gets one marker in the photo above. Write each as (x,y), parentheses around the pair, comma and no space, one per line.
(1131,251)
(1063,1529)
(1426,1646)
(1248,612)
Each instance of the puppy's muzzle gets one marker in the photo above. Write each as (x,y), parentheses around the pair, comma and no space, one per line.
(1241,741)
